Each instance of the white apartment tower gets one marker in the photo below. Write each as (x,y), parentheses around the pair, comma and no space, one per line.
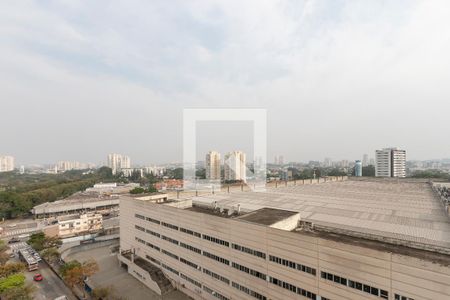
(212,165)
(6,163)
(118,161)
(365,161)
(390,162)
(234,166)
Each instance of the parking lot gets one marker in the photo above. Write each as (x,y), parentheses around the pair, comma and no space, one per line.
(110,274)
(51,285)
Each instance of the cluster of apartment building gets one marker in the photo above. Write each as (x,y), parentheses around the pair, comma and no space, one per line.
(234,166)
(117,162)
(6,163)
(64,165)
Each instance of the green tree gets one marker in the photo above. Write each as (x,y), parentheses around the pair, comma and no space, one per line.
(11,268)
(137,190)
(77,274)
(68,266)
(151,189)
(12,281)
(50,254)
(101,293)
(39,241)
(368,171)
(336,172)
(201,173)
(19,293)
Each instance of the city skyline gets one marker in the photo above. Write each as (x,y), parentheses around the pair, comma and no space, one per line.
(150,162)
(381,66)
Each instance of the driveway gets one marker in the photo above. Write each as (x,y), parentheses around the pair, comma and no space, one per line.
(50,287)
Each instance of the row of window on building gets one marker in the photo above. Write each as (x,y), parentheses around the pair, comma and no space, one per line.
(300,267)
(355,285)
(205,271)
(237,247)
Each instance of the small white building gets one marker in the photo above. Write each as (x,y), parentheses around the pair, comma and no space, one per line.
(76,224)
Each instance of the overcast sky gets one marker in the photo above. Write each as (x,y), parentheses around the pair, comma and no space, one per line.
(80,79)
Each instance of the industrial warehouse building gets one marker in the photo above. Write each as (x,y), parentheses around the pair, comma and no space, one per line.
(362,239)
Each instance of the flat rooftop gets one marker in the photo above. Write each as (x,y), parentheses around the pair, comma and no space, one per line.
(267,216)
(399,210)
(78,198)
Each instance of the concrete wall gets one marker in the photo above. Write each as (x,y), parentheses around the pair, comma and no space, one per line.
(84,247)
(140,274)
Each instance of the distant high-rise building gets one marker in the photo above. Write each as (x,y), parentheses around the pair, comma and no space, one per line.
(365,161)
(212,165)
(22,169)
(64,166)
(118,161)
(234,166)
(6,163)
(275,160)
(390,162)
(358,168)
(281,160)
(327,162)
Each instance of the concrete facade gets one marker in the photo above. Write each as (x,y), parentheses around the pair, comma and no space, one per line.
(118,161)
(6,163)
(77,224)
(390,162)
(265,254)
(212,165)
(235,166)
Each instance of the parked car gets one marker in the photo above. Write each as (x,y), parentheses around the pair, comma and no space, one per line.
(38,277)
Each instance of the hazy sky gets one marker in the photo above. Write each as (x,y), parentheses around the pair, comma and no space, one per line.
(80,79)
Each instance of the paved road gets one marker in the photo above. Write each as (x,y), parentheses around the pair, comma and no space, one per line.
(50,287)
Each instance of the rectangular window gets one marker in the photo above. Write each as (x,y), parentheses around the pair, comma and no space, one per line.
(152,233)
(214,293)
(139,216)
(190,232)
(249,251)
(292,288)
(139,228)
(216,276)
(292,265)
(194,282)
(216,240)
(152,246)
(169,254)
(152,220)
(216,258)
(355,285)
(189,263)
(249,271)
(171,226)
(189,247)
(166,238)
(249,291)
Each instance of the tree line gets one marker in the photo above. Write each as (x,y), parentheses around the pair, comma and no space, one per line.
(19,193)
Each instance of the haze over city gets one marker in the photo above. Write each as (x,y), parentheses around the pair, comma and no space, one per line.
(338,78)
